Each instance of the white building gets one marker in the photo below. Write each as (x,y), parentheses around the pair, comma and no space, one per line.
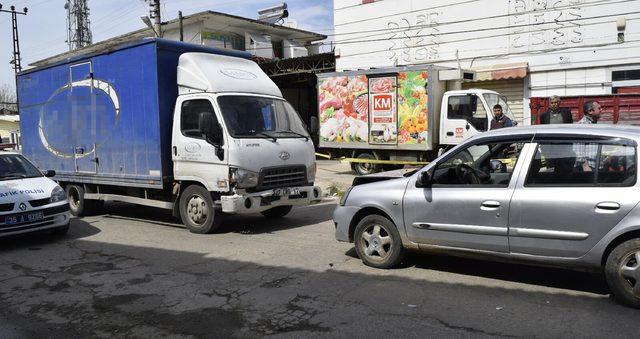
(523,48)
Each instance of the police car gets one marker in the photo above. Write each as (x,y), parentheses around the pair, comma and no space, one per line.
(29,200)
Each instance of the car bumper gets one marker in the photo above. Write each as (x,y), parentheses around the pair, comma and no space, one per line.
(262,201)
(342,217)
(55,215)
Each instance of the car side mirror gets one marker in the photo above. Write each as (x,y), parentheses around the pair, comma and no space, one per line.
(314,126)
(424,179)
(49,173)
(210,130)
(496,165)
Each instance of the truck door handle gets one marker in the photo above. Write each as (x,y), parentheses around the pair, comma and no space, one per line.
(490,205)
(449,134)
(608,206)
(467,127)
(175,150)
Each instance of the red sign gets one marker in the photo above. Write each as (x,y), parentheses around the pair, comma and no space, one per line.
(388,120)
(382,102)
(459,132)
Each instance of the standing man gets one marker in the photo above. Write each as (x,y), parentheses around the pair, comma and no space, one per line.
(500,120)
(555,115)
(592,111)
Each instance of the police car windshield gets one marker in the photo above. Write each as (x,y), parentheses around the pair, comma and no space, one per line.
(260,117)
(15,166)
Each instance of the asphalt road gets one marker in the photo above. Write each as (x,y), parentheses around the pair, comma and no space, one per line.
(137,273)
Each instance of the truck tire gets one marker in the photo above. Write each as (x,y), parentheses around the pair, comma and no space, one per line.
(364,168)
(277,212)
(198,212)
(622,271)
(78,205)
(378,242)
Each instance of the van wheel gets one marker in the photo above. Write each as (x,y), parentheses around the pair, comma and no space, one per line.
(277,212)
(377,242)
(362,168)
(198,212)
(622,272)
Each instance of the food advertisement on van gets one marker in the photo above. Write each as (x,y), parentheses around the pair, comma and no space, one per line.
(412,107)
(344,109)
(383,108)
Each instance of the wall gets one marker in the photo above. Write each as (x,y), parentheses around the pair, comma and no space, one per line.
(570,45)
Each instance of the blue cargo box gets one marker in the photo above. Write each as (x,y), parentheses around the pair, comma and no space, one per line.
(106,117)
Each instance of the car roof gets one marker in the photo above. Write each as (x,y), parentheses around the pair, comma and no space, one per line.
(603,130)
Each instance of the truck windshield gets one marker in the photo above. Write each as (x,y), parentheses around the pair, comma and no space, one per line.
(259,117)
(15,166)
(493,99)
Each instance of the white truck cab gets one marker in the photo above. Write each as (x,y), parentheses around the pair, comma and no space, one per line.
(234,134)
(465,113)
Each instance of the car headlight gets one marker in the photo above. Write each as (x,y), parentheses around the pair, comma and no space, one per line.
(343,200)
(57,195)
(243,178)
(311,172)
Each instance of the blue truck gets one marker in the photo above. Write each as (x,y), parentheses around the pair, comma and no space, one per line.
(198,130)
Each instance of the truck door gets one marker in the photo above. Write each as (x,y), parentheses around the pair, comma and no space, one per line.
(463,117)
(194,158)
(84,118)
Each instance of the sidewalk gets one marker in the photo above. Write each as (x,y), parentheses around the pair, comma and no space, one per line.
(333,175)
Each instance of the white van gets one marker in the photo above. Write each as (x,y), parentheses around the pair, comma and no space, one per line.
(29,200)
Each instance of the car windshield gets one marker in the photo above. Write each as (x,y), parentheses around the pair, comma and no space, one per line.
(260,117)
(15,166)
(493,99)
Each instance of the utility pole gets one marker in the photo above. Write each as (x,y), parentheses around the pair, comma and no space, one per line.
(154,13)
(181,27)
(17,66)
(78,30)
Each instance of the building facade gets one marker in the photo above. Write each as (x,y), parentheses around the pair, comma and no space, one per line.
(522,48)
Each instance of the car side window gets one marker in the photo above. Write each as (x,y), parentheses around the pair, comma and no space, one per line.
(469,108)
(479,165)
(582,164)
(190,114)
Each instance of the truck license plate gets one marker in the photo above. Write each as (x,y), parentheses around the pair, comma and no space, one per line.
(23,218)
(285,192)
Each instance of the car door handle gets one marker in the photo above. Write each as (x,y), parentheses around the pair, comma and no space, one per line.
(608,206)
(490,205)
(449,134)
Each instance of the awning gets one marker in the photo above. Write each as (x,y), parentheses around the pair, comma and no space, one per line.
(502,72)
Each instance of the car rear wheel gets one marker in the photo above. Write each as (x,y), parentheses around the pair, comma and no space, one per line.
(198,212)
(622,271)
(277,212)
(378,242)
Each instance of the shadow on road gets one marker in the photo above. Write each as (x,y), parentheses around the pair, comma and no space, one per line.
(36,241)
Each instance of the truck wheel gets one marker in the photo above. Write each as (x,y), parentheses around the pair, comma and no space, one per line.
(377,242)
(362,168)
(197,211)
(277,212)
(77,204)
(622,272)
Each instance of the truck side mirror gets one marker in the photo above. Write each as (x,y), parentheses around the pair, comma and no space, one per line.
(424,179)
(209,129)
(314,125)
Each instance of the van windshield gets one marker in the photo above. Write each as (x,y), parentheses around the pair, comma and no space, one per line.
(259,117)
(493,99)
(15,166)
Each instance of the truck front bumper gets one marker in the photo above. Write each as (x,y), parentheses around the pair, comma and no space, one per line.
(262,201)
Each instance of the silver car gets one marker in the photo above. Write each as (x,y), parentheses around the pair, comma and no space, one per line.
(565,195)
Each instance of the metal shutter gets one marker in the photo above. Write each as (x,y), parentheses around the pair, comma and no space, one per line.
(513,89)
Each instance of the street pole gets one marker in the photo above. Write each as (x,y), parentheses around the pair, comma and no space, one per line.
(17,66)
(181,27)
(155,15)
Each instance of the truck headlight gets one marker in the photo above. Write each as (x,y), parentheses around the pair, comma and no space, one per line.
(311,172)
(243,178)
(57,195)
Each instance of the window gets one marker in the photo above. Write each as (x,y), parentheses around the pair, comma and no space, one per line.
(469,108)
(190,115)
(14,166)
(583,164)
(489,164)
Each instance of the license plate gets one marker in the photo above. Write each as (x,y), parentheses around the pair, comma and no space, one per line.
(23,218)
(285,192)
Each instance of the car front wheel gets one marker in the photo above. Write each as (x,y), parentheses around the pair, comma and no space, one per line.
(622,272)
(377,242)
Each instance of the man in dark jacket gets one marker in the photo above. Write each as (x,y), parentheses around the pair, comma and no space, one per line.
(499,119)
(555,115)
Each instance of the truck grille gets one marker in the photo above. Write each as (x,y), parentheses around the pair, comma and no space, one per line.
(285,176)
